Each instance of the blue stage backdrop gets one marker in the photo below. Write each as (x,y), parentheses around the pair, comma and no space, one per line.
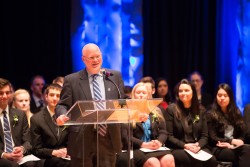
(116,27)
(233,47)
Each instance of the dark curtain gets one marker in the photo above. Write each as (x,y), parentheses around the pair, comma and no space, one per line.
(35,39)
(179,37)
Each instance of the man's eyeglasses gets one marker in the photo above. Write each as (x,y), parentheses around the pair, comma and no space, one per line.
(92,58)
(5,92)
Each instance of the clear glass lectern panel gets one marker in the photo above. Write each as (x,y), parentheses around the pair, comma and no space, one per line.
(139,107)
(87,112)
(116,116)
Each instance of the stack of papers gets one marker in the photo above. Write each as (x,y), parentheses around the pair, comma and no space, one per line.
(200,155)
(149,150)
(27,158)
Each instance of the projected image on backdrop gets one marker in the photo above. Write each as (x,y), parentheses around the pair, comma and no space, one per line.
(116,27)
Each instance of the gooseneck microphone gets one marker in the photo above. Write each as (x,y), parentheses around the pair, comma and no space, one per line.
(107,74)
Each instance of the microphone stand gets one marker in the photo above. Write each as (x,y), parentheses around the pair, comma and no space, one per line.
(122,102)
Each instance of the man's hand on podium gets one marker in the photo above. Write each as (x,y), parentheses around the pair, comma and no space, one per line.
(61,120)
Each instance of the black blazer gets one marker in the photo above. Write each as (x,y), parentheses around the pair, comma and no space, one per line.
(19,130)
(217,131)
(246,118)
(33,107)
(176,131)
(76,87)
(44,134)
(158,132)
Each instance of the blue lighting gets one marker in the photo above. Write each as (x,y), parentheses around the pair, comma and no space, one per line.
(233,47)
(116,27)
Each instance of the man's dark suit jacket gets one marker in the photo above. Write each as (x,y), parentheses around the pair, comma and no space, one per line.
(76,87)
(176,135)
(33,108)
(44,134)
(20,130)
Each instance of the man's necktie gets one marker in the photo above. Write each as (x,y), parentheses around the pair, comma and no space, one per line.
(40,103)
(55,124)
(102,128)
(7,134)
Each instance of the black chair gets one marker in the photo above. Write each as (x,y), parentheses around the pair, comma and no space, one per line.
(224,164)
(246,117)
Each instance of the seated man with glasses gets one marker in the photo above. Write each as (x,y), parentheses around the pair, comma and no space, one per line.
(204,98)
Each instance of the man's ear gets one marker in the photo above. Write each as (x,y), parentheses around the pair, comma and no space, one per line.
(83,58)
(153,91)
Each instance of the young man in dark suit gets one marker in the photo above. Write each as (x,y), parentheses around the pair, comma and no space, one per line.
(79,86)
(14,130)
(49,141)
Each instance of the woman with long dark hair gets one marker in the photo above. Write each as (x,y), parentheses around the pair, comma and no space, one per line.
(227,129)
(162,91)
(187,127)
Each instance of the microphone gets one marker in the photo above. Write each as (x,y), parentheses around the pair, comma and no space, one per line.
(107,74)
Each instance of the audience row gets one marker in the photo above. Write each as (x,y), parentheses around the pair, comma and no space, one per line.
(190,122)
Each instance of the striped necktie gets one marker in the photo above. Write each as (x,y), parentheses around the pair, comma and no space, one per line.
(7,134)
(102,130)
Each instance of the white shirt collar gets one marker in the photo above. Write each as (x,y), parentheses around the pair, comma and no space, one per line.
(6,109)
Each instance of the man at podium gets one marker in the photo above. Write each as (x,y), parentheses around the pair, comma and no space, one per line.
(91,83)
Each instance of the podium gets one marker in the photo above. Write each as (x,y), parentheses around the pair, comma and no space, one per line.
(117,116)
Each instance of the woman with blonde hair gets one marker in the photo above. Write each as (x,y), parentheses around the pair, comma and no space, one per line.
(21,100)
(151,134)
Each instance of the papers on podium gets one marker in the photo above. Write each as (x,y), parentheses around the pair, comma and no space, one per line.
(200,155)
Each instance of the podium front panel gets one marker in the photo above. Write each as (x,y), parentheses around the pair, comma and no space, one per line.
(117,116)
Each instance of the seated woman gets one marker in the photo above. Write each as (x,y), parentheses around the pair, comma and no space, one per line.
(162,91)
(150,133)
(227,129)
(187,127)
(21,100)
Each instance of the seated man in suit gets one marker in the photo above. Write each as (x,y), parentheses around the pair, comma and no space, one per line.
(37,101)
(49,140)
(14,130)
